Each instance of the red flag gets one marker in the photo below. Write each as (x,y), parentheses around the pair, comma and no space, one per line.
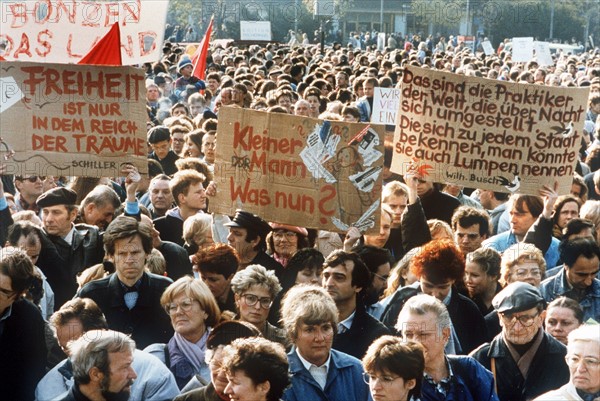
(199,58)
(107,51)
(2,58)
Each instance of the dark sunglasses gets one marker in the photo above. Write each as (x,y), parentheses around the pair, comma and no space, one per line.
(32,179)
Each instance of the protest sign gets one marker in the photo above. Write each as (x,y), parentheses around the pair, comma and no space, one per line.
(487,47)
(542,53)
(298,170)
(63,31)
(488,134)
(72,120)
(381,42)
(385,105)
(255,30)
(522,49)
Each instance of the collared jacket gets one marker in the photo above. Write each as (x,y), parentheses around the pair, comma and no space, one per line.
(154,381)
(557,286)
(548,369)
(61,262)
(344,380)
(469,382)
(364,330)
(501,242)
(466,318)
(147,321)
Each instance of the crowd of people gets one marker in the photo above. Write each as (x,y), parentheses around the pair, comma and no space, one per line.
(131,288)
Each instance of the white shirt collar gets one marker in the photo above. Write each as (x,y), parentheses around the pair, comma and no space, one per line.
(69,237)
(345,324)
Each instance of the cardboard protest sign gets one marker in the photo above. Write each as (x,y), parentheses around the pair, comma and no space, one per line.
(72,120)
(299,170)
(385,105)
(542,53)
(522,49)
(255,30)
(63,31)
(488,134)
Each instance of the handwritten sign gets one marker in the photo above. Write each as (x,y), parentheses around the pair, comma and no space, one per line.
(522,49)
(298,170)
(487,47)
(255,30)
(385,105)
(73,120)
(542,53)
(488,134)
(63,31)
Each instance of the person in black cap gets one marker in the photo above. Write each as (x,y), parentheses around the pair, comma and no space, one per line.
(247,234)
(67,249)
(159,139)
(525,360)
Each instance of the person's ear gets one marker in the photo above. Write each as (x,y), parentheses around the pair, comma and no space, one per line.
(446,334)
(410,384)
(264,387)
(73,215)
(95,375)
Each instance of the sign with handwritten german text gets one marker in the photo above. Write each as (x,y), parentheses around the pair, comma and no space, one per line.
(72,120)
(63,31)
(488,134)
(298,170)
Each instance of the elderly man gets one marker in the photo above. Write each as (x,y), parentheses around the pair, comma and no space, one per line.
(525,360)
(583,358)
(155,382)
(130,297)
(318,372)
(102,367)
(98,207)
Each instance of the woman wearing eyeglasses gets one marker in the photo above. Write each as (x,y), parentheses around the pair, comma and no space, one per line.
(522,262)
(193,311)
(583,359)
(255,289)
(284,241)
(394,369)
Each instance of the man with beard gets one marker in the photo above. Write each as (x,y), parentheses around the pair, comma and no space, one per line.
(378,261)
(102,368)
(525,360)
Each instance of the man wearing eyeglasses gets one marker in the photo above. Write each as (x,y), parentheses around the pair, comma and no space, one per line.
(583,358)
(525,360)
(29,188)
(577,280)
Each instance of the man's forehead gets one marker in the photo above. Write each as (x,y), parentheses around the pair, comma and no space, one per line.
(345,267)
(473,227)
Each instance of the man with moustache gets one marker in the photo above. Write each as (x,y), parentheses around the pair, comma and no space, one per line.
(525,360)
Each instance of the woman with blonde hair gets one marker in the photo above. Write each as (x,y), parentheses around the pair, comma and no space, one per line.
(522,262)
(193,311)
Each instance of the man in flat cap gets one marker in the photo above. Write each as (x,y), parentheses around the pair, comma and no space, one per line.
(525,360)
(247,234)
(159,139)
(78,247)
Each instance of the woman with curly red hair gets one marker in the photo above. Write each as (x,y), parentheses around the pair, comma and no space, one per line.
(439,265)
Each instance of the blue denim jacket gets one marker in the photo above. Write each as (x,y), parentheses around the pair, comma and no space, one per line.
(501,242)
(557,286)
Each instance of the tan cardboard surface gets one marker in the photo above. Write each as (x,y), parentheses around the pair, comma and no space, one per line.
(72,120)
(298,170)
(488,134)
